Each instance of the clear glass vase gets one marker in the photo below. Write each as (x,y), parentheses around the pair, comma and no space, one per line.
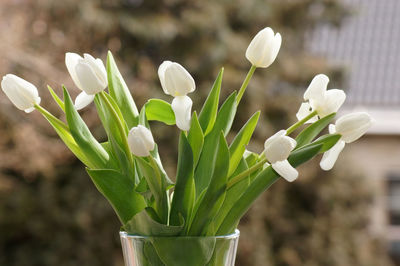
(179,251)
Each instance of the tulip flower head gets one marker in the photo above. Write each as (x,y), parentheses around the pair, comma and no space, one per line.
(140,141)
(320,99)
(177,82)
(277,150)
(175,79)
(351,127)
(88,74)
(264,48)
(23,94)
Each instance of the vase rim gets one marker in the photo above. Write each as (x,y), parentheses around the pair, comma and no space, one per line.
(235,234)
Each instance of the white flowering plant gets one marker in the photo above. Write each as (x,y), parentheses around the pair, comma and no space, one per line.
(216,182)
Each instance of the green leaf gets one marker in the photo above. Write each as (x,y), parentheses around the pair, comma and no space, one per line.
(184,251)
(56,98)
(195,138)
(184,192)
(251,159)
(120,92)
(92,149)
(240,142)
(232,195)
(327,141)
(208,113)
(63,132)
(157,187)
(309,133)
(119,190)
(159,110)
(261,183)
(205,166)
(114,136)
(215,193)
(142,224)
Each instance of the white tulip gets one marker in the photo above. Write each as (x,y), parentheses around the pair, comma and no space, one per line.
(277,150)
(351,127)
(264,48)
(88,74)
(182,107)
(140,141)
(23,94)
(320,99)
(175,79)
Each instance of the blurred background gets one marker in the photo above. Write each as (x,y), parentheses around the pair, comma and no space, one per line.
(50,212)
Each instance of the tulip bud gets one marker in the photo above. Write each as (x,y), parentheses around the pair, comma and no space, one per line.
(264,48)
(351,127)
(175,80)
(88,74)
(140,141)
(277,150)
(23,94)
(182,107)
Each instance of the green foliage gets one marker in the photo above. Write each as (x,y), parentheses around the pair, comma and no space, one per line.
(90,147)
(184,193)
(196,138)
(309,133)
(119,190)
(120,92)
(208,113)
(238,146)
(215,193)
(159,110)
(205,166)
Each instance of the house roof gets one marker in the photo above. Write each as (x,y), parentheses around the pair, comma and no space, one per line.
(368,45)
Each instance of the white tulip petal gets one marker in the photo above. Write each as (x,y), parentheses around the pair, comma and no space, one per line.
(182,107)
(161,74)
(276,46)
(353,126)
(278,134)
(97,67)
(91,84)
(71,60)
(23,94)
(332,129)
(177,80)
(329,158)
(140,141)
(83,100)
(102,68)
(305,110)
(285,170)
(334,99)
(278,147)
(317,88)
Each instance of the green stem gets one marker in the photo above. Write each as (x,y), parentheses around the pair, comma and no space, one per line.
(46,113)
(245,84)
(300,123)
(120,126)
(244,174)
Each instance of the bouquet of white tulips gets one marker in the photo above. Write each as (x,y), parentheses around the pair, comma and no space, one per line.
(216,182)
